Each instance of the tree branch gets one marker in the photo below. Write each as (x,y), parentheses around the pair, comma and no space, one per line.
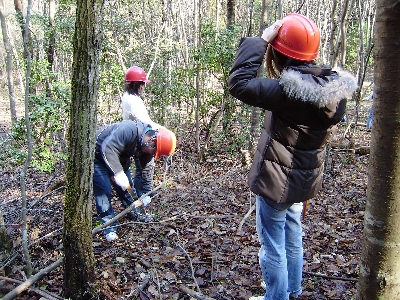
(43,293)
(22,287)
(194,294)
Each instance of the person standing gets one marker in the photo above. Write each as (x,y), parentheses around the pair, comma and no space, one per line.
(302,102)
(132,103)
(115,145)
(133,108)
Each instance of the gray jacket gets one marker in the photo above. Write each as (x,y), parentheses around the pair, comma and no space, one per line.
(301,108)
(118,142)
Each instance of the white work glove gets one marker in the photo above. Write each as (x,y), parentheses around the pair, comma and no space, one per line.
(271,32)
(146,200)
(122,180)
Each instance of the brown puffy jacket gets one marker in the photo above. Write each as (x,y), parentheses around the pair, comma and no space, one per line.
(301,107)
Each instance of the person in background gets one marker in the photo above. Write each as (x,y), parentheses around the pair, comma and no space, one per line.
(133,108)
(115,145)
(371,111)
(132,103)
(302,102)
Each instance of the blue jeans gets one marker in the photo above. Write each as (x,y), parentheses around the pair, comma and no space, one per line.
(143,176)
(371,113)
(281,252)
(102,185)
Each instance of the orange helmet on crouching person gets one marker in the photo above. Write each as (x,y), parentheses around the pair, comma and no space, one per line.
(166,142)
(136,74)
(298,38)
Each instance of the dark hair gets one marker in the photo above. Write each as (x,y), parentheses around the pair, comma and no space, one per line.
(133,87)
(274,57)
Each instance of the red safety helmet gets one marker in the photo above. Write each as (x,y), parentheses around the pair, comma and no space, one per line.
(166,142)
(136,74)
(298,38)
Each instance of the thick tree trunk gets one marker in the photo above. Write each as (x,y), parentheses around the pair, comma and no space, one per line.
(77,237)
(380,256)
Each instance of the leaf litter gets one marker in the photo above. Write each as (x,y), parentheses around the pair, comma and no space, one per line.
(201,238)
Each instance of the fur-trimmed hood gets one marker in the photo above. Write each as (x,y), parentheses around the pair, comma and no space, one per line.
(317,84)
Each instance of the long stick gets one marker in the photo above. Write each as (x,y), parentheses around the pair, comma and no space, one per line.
(22,287)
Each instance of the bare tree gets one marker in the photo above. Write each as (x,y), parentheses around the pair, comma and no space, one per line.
(380,266)
(77,237)
(29,140)
(255,111)
(197,41)
(21,22)
(230,13)
(7,46)
(52,37)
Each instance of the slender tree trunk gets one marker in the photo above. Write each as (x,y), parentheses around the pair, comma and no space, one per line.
(333,39)
(182,34)
(24,31)
(4,239)
(230,13)
(52,37)
(29,141)
(280,9)
(7,46)
(343,33)
(380,255)
(77,237)
(197,17)
(255,111)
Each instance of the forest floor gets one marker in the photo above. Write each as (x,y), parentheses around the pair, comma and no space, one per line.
(203,238)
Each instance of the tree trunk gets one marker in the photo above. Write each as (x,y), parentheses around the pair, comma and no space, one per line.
(380,256)
(52,37)
(20,18)
(197,42)
(29,142)
(77,237)
(4,239)
(332,38)
(7,46)
(255,111)
(230,13)
(343,33)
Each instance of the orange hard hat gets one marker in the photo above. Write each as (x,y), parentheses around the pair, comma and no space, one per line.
(166,142)
(298,38)
(136,73)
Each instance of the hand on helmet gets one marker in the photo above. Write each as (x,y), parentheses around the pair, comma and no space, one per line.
(122,180)
(271,32)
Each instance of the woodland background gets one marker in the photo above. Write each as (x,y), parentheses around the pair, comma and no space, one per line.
(203,237)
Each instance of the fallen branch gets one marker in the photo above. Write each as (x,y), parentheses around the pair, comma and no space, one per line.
(191,266)
(330,277)
(22,287)
(246,217)
(124,212)
(360,150)
(194,294)
(25,285)
(135,290)
(40,292)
